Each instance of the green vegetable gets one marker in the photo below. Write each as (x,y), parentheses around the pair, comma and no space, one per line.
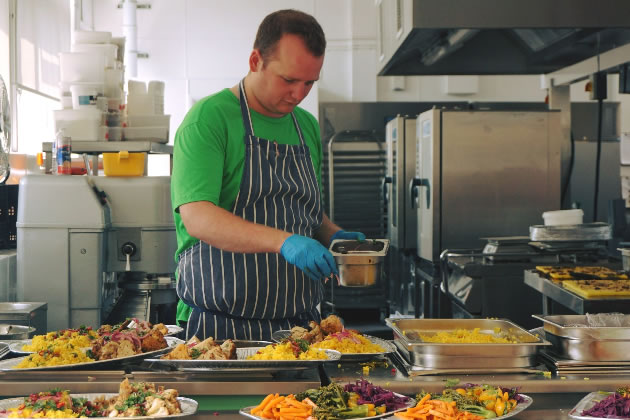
(302,343)
(194,353)
(450,383)
(480,411)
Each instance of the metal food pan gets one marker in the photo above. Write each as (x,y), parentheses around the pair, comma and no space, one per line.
(465,362)
(567,326)
(590,350)
(407,332)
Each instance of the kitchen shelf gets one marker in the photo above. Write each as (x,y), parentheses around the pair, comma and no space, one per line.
(98,147)
(577,304)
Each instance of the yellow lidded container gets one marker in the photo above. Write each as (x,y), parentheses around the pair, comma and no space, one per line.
(123,163)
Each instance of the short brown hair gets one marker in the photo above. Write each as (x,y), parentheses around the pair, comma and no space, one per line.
(289,21)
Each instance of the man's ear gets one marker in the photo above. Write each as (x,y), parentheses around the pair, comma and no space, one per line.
(255,61)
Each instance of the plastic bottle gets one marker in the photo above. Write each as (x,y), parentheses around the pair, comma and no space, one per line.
(64,154)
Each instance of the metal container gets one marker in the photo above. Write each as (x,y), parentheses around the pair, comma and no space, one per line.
(577,327)
(568,233)
(625,258)
(590,350)
(450,355)
(30,314)
(15,332)
(360,263)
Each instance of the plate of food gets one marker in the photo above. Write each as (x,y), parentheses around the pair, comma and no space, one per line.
(603,405)
(485,401)
(115,348)
(83,336)
(330,334)
(361,400)
(231,355)
(134,401)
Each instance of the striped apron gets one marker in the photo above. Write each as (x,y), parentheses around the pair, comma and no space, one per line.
(248,296)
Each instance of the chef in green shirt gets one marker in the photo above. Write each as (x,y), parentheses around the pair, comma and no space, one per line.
(252,234)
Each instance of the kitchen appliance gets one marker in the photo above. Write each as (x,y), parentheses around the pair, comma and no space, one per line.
(401,220)
(480,174)
(91,241)
(401,149)
(476,282)
(450,37)
(28,314)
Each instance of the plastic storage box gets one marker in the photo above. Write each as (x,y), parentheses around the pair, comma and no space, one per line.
(123,164)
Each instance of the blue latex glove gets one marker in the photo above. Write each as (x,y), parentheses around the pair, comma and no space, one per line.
(309,256)
(342,234)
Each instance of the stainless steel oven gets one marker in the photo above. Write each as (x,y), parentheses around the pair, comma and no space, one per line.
(401,150)
(481,174)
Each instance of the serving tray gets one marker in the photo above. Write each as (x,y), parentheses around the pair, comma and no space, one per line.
(389,347)
(188,406)
(9,364)
(241,362)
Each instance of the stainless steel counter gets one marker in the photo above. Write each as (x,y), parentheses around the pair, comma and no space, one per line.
(222,394)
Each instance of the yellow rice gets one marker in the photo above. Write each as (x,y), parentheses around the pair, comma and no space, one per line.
(44,414)
(465,336)
(42,342)
(284,351)
(347,345)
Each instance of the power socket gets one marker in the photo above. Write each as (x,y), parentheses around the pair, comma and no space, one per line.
(599,86)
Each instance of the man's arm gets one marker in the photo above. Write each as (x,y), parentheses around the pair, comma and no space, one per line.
(326,231)
(224,230)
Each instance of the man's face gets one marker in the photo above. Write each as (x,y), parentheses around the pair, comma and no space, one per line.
(284,79)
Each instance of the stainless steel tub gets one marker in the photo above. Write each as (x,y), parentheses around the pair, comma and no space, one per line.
(465,355)
(360,263)
(590,350)
(576,327)
(15,332)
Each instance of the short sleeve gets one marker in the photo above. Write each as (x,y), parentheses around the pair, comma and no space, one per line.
(198,159)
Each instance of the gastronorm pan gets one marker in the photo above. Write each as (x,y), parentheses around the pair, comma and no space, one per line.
(407,332)
(360,262)
(487,361)
(590,350)
(577,327)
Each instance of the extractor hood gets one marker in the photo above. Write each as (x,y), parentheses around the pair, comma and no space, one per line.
(450,37)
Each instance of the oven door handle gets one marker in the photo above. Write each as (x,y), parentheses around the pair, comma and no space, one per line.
(414,183)
(386,180)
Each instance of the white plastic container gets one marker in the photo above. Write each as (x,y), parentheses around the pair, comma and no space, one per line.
(148,120)
(109,51)
(81,67)
(85,94)
(113,83)
(79,124)
(92,37)
(563,217)
(157,134)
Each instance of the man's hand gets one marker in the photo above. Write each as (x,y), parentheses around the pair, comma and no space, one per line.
(342,234)
(309,256)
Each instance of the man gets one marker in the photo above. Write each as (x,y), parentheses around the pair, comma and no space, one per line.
(252,234)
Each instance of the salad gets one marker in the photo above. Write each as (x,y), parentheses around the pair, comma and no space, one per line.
(357,400)
(614,405)
(485,401)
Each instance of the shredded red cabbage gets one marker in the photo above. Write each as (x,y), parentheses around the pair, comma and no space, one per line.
(613,406)
(372,394)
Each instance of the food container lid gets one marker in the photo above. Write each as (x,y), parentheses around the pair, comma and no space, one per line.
(368,247)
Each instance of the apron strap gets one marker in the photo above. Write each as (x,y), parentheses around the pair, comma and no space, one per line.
(247,116)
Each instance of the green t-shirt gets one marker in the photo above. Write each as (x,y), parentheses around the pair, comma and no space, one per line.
(209,155)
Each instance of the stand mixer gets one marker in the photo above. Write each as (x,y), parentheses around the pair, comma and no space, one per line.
(98,250)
